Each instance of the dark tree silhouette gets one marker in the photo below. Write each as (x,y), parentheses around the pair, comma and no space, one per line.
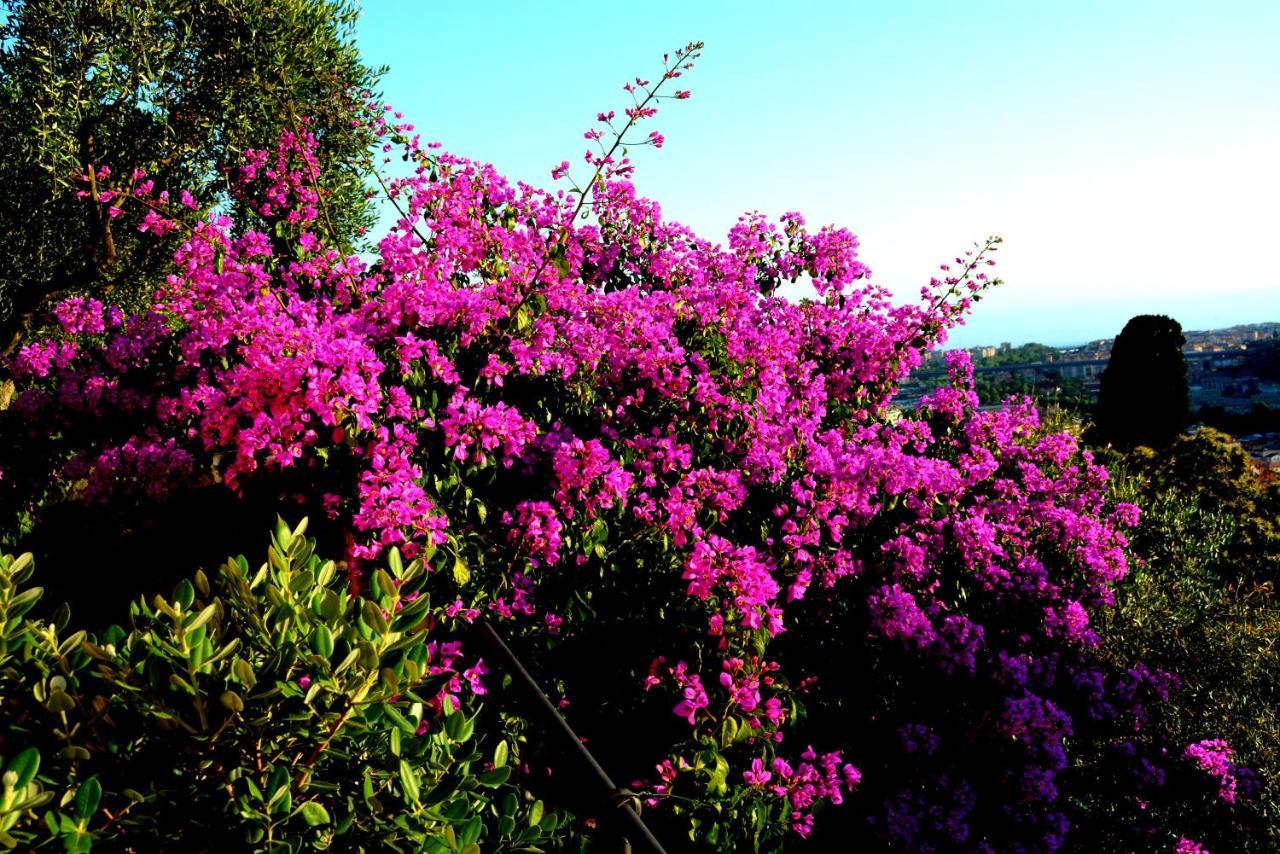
(1144,398)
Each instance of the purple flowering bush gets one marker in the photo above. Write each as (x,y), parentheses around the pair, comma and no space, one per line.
(784,609)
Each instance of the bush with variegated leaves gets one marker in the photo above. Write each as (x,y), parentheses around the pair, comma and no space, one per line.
(264,707)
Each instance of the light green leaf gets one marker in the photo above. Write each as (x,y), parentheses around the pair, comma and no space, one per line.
(25,765)
(461,572)
(409,782)
(314,814)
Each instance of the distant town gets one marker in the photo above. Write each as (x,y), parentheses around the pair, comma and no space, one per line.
(1233,373)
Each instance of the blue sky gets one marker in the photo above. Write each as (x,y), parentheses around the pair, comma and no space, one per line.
(1128,152)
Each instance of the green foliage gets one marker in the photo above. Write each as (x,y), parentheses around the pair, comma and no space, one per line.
(1213,469)
(1048,390)
(1024,354)
(264,710)
(1194,607)
(1144,398)
(178,88)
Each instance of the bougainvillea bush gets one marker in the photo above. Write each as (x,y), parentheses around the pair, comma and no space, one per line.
(790,613)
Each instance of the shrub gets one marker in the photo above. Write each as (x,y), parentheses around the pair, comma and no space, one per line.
(1194,607)
(1214,471)
(265,706)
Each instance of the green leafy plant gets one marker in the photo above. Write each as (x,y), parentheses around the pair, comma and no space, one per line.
(1193,606)
(167,92)
(270,708)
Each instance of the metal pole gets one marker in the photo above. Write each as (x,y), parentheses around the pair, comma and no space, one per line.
(637,829)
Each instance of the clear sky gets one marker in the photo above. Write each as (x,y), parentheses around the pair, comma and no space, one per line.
(1128,152)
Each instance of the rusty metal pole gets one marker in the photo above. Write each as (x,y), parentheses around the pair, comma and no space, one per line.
(619,799)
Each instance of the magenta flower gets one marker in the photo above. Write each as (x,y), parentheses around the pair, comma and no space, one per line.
(757,774)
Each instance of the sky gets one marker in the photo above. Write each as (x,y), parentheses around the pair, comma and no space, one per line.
(1127,152)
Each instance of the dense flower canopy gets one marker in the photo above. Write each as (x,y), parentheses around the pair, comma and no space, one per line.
(615,438)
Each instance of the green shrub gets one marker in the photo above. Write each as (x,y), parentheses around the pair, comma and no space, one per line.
(1188,609)
(1214,470)
(267,708)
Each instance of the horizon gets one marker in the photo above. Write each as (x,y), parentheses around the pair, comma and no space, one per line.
(1084,342)
(1126,155)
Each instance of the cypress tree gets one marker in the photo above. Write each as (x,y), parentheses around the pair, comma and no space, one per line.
(1144,399)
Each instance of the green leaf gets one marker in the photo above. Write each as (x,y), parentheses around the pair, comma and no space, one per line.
(20,563)
(24,601)
(409,782)
(561,262)
(278,781)
(372,615)
(398,719)
(244,672)
(385,584)
(72,642)
(314,814)
(322,641)
(164,607)
(87,798)
(500,754)
(184,594)
(25,765)
(351,659)
(59,701)
(728,732)
(719,775)
(231,647)
(283,535)
(330,605)
(461,572)
(535,813)
(493,779)
(390,680)
(453,725)
(203,617)
(470,833)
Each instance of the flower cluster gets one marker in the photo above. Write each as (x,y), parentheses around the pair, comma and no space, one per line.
(1213,756)
(814,778)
